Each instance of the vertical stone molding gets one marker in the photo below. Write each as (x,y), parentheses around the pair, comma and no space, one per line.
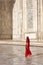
(39,15)
(41,19)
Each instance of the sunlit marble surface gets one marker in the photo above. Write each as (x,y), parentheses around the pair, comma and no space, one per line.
(15,55)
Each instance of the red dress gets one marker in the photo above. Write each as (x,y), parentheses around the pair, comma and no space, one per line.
(27,52)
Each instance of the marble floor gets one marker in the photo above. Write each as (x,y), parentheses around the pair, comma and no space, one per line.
(15,55)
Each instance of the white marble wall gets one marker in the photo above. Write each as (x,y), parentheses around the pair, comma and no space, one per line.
(24,18)
(30,17)
(27,17)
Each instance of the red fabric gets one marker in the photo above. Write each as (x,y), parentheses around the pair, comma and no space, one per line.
(27,52)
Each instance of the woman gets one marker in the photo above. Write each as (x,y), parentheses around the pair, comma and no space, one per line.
(27,46)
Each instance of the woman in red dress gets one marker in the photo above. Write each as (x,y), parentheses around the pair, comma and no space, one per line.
(27,46)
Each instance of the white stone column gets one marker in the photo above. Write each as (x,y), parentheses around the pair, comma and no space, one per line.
(17,20)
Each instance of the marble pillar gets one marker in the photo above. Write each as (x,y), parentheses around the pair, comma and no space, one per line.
(17,20)
(39,19)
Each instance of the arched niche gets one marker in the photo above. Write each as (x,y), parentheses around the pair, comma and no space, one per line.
(6,7)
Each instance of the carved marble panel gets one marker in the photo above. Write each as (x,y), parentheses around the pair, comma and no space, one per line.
(30,15)
(29,6)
